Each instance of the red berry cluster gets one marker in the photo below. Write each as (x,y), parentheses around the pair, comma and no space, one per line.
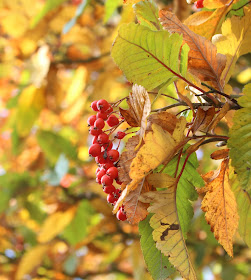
(199,4)
(102,149)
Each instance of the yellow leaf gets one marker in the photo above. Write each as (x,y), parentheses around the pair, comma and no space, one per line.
(77,85)
(54,224)
(205,23)
(234,41)
(30,260)
(159,147)
(214,4)
(220,206)
(30,103)
(165,223)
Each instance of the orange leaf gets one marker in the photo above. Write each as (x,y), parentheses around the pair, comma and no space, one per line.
(203,59)
(164,119)
(203,118)
(220,206)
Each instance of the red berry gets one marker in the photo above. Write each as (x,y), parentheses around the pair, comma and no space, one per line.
(121,215)
(117,193)
(111,199)
(103,138)
(102,105)
(118,182)
(103,116)
(112,172)
(99,123)
(109,189)
(76,2)
(120,135)
(101,174)
(94,105)
(91,120)
(95,140)
(199,4)
(113,155)
(109,110)
(107,146)
(100,158)
(95,150)
(112,121)
(97,170)
(106,180)
(107,165)
(95,131)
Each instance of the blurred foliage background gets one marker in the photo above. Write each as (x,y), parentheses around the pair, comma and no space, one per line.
(55,222)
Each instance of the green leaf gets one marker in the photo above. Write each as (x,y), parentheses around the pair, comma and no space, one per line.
(79,226)
(157,264)
(48,6)
(78,13)
(240,140)
(237,8)
(110,7)
(186,192)
(147,13)
(10,183)
(149,58)
(243,200)
(53,145)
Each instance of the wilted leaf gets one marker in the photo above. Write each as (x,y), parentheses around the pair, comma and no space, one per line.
(239,141)
(234,42)
(54,224)
(220,206)
(203,59)
(205,23)
(142,59)
(220,154)
(167,231)
(223,111)
(30,260)
(157,264)
(136,210)
(164,119)
(202,119)
(243,200)
(147,13)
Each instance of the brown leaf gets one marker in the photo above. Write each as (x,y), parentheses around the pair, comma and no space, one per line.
(219,116)
(129,117)
(164,119)
(136,210)
(220,154)
(203,59)
(203,119)
(126,159)
(220,206)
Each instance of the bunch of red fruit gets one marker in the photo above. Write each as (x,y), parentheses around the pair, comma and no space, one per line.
(102,149)
(199,4)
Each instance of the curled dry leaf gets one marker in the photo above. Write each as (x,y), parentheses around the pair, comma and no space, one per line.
(203,59)
(203,119)
(220,206)
(139,109)
(220,154)
(219,116)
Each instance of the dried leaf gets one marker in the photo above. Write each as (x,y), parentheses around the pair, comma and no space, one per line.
(203,59)
(164,119)
(219,116)
(220,206)
(126,159)
(220,154)
(167,231)
(203,119)
(136,210)
(129,117)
